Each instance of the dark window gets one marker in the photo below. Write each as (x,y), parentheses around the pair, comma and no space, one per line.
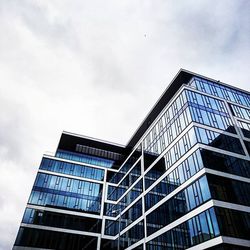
(229,190)
(233,223)
(192,232)
(51,219)
(191,197)
(225,163)
(30,237)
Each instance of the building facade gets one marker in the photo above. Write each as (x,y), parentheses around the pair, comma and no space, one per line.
(181,182)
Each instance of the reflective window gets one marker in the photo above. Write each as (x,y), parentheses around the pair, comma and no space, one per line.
(45,239)
(111,227)
(225,163)
(190,233)
(132,214)
(129,216)
(181,147)
(218,140)
(172,155)
(229,190)
(174,120)
(240,112)
(233,223)
(128,238)
(52,219)
(55,191)
(114,193)
(179,175)
(247,144)
(245,128)
(222,91)
(178,205)
(209,111)
(126,166)
(94,160)
(133,235)
(126,200)
(72,169)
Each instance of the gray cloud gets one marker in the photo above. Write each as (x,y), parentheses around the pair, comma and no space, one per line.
(96,68)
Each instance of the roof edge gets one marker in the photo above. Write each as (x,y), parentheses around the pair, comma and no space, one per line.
(93,139)
(182,77)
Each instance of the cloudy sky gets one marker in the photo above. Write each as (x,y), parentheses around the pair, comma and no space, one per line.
(96,68)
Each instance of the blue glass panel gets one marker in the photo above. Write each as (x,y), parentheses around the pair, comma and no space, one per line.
(204,188)
(222,91)
(72,169)
(85,158)
(214,222)
(65,192)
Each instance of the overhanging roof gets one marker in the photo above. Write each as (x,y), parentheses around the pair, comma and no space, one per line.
(182,77)
(68,139)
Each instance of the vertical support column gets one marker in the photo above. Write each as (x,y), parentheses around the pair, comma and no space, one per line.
(98,243)
(143,199)
(102,209)
(104,192)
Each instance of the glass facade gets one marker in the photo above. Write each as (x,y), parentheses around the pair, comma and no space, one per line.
(184,182)
(62,192)
(196,230)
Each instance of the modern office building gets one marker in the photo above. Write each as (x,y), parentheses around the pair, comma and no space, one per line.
(181,182)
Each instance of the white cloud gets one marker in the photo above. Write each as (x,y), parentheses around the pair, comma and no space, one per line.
(96,68)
